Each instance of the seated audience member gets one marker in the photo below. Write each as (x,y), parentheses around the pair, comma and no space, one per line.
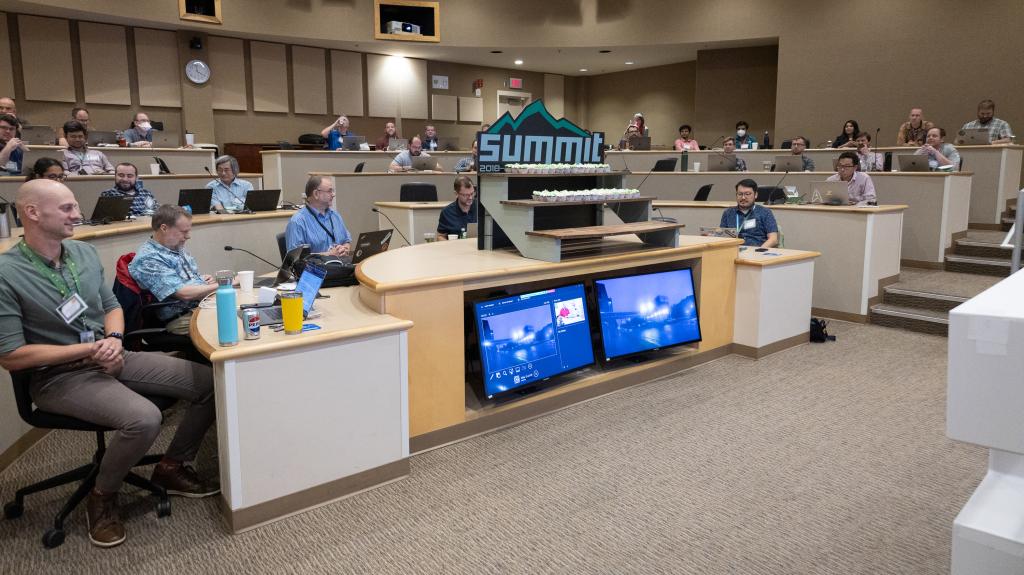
(128,185)
(743,139)
(8,106)
(940,154)
(48,169)
(913,131)
(799,144)
(869,161)
(729,150)
(12,148)
(140,135)
(79,367)
(456,216)
(429,137)
(848,139)
(468,164)
(631,138)
(754,224)
(685,141)
(999,131)
(163,267)
(78,158)
(229,192)
(403,161)
(341,125)
(80,115)
(384,142)
(316,224)
(861,188)
(640,123)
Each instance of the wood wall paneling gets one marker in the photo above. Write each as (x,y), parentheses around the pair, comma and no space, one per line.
(309,80)
(444,107)
(347,83)
(104,63)
(46,45)
(159,71)
(554,94)
(6,66)
(269,77)
(227,73)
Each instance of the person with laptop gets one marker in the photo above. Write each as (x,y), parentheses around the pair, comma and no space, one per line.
(797,147)
(128,185)
(316,224)
(860,190)
(12,148)
(754,224)
(403,162)
(729,151)
(78,158)
(468,164)
(686,141)
(390,132)
(940,154)
(430,137)
(869,161)
(140,135)
(341,125)
(228,191)
(60,322)
(80,115)
(743,139)
(999,131)
(456,216)
(631,138)
(914,130)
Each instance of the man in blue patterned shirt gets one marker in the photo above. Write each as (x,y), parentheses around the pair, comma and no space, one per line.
(128,185)
(163,268)
(228,191)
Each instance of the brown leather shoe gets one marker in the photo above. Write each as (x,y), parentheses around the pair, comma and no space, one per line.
(182,480)
(105,527)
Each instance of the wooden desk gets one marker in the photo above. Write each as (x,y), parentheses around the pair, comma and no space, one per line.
(643,161)
(290,441)
(179,160)
(289,169)
(411,219)
(773,300)
(859,248)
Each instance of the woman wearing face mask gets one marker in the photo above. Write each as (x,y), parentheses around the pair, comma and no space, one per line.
(140,135)
(743,140)
(848,139)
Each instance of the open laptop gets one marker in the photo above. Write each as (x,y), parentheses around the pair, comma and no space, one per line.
(447,144)
(285,273)
(423,163)
(166,140)
(39,135)
(371,244)
(830,193)
(198,198)
(97,137)
(721,163)
(788,163)
(111,209)
(398,144)
(352,143)
(975,137)
(912,163)
(309,284)
(262,200)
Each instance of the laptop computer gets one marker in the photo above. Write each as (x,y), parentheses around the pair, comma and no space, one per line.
(721,163)
(111,209)
(285,273)
(788,163)
(352,143)
(912,163)
(262,200)
(975,137)
(39,135)
(398,144)
(447,144)
(371,244)
(309,284)
(198,198)
(718,232)
(166,140)
(96,138)
(830,193)
(423,163)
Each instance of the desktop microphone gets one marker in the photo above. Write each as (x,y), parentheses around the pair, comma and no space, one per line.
(232,248)
(374,209)
(871,162)
(207,168)
(768,200)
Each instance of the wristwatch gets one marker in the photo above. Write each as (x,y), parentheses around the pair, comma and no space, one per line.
(116,334)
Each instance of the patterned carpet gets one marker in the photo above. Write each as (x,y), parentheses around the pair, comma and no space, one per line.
(826,458)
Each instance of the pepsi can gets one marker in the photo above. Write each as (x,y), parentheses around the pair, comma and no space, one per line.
(251,323)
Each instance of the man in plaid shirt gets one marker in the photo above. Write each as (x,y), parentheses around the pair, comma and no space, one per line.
(128,185)
(999,131)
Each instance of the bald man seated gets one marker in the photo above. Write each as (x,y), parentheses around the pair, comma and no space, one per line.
(60,322)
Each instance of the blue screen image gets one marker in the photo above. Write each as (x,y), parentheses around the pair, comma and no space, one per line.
(645,312)
(530,337)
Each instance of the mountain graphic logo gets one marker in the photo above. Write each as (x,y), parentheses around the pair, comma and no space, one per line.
(535,136)
(535,112)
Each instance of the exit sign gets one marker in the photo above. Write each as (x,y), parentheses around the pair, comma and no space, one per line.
(516,83)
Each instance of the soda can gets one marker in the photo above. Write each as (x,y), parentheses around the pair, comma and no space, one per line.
(251,323)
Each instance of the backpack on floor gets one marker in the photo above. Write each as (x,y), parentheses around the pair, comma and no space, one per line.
(819,333)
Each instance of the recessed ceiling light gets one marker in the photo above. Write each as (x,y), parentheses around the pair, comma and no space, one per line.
(605,51)
(518,62)
(583,69)
(496,51)
(629,63)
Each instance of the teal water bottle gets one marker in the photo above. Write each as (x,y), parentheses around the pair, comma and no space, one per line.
(227,322)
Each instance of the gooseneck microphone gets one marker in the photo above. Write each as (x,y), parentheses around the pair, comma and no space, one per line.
(374,209)
(232,248)
(207,168)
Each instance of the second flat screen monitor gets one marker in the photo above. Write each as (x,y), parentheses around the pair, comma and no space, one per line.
(644,312)
(527,338)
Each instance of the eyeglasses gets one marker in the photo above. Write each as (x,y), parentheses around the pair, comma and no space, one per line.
(845,166)
(327,191)
(56,177)
(742,194)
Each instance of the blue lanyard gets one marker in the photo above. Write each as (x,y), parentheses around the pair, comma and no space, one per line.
(739,224)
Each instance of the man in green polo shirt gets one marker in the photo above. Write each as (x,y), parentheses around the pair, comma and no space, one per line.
(60,322)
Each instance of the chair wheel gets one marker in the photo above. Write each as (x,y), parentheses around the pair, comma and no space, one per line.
(53,538)
(13,510)
(163,508)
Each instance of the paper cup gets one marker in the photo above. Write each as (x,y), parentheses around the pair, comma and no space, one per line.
(245,280)
(696,166)
(154,169)
(190,138)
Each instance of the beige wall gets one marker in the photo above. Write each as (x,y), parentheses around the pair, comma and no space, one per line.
(734,85)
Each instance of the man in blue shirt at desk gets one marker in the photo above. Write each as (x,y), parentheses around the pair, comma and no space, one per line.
(456,216)
(754,224)
(228,191)
(317,224)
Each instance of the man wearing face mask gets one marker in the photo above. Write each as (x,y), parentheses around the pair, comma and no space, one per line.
(128,185)
(140,135)
(743,140)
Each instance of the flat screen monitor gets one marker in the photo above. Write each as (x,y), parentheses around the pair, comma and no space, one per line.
(641,313)
(528,338)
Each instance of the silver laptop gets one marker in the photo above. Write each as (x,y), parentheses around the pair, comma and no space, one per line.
(448,144)
(912,163)
(39,135)
(398,144)
(830,193)
(789,163)
(423,163)
(975,137)
(97,137)
(721,163)
(309,284)
(166,140)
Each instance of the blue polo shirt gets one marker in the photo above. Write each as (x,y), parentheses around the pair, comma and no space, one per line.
(309,226)
(453,220)
(752,234)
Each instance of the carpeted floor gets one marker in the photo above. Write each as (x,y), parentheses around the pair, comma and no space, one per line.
(826,458)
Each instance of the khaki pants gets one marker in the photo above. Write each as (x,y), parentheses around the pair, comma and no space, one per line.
(179,325)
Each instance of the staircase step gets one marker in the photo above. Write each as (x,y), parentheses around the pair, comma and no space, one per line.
(910,318)
(985,249)
(908,298)
(978,265)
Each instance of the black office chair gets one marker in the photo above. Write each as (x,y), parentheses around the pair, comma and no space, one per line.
(771,195)
(281,245)
(311,140)
(786,144)
(417,192)
(665,165)
(703,193)
(86,473)
(887,162)
(359,167)
(285,145)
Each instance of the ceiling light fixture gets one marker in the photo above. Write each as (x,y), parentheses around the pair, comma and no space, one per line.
(629,63)
(518,62)
(583,69)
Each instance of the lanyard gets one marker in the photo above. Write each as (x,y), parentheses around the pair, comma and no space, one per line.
(330,232)
(739,224)
(47,272)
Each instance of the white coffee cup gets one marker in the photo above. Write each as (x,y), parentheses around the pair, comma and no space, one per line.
(190,138)
(154,169)
(453,236)
(696,166)
(245,280)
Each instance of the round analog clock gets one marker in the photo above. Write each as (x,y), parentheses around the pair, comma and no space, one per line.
(197,71)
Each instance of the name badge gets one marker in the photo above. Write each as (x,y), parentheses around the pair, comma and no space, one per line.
(72,307)
(749,224)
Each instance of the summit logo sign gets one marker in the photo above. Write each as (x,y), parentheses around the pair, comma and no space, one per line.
(535,137)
